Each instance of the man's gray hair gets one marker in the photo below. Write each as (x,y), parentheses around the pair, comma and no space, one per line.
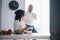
(31,5)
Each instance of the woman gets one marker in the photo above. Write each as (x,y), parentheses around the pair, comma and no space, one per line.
(19,23)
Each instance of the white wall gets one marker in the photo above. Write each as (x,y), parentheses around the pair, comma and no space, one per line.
(45,17)
(8,15)
(0,12)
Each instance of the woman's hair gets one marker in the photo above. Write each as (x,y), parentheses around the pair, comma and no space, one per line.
(19,14)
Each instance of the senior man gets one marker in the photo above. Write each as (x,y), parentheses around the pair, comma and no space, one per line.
(29,19)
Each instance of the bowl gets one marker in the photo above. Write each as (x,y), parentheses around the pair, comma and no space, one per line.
(17,32)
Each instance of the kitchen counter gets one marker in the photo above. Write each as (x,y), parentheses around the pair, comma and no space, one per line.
(25,36)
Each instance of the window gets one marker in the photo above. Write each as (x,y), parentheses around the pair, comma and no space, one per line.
(41,9)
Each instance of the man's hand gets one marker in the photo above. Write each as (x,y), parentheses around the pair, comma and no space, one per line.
(35,17)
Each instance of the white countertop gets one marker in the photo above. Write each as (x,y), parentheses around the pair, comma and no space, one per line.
(25,36)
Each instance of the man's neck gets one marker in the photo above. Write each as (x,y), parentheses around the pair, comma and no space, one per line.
(30,11)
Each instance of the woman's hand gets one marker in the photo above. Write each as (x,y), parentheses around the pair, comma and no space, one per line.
(25,30)
(20,30)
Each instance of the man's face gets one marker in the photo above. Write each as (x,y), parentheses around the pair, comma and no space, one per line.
(30,8)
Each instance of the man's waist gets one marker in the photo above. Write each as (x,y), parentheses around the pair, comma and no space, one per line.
(29,25)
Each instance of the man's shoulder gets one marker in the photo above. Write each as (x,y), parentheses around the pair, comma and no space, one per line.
(26,12)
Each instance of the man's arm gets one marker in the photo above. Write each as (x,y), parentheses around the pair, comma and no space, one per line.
(35,16)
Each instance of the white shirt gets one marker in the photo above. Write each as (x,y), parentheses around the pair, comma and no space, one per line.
(29,18)
(18,24)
